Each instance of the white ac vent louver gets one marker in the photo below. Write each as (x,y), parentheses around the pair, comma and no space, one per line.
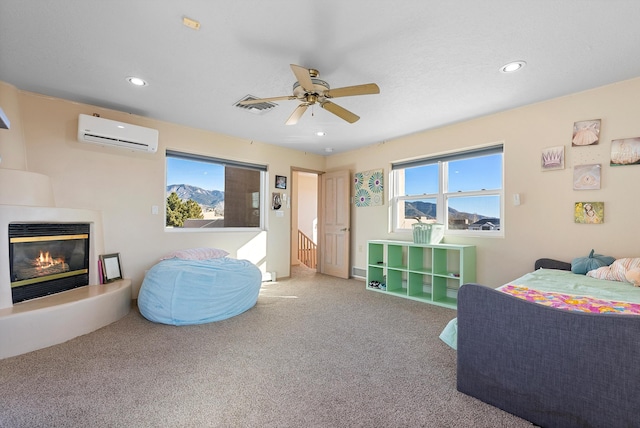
(105,132)
(258,108)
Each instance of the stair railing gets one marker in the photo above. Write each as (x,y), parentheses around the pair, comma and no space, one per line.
(307,250)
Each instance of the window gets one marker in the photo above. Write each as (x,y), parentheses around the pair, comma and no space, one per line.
(205,192)
(461,190)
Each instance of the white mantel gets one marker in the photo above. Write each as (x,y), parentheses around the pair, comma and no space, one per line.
(49,320)
(38,323)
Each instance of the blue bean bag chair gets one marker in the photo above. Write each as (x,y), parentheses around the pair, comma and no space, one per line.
(182,292)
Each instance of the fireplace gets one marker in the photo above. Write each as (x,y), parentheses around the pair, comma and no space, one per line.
(47,258)
(37,323)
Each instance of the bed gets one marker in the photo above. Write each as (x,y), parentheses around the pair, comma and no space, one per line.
(198,287)
(556,367)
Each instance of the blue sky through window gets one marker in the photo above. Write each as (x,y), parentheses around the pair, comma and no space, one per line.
(208,176)
(478,173)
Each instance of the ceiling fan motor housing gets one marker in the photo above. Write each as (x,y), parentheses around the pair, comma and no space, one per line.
(320,87)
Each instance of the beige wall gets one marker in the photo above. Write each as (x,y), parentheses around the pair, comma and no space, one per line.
(12,149)
(543,225)
(124,185)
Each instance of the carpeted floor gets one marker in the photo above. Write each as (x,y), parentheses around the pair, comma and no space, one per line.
(315,351)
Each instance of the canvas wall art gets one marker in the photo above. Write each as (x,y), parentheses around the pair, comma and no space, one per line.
(586,133)
(552,158)
(368,188)
(625,152)
(586,177)
(589,212)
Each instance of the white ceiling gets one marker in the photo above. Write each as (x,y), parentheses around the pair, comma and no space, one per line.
(436,62)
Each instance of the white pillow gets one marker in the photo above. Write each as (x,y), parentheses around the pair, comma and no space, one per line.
(197,254)
(617,270)
(603,272)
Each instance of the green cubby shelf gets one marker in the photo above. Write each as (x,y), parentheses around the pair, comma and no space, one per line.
(430,273)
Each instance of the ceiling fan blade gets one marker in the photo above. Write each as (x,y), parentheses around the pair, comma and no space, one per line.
(265,100)
(347,91)
(297,114)
(341,112)
(303,77)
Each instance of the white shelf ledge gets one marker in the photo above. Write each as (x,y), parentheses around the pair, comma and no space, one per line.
(50,320)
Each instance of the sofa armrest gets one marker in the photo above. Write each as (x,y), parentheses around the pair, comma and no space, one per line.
(551,264)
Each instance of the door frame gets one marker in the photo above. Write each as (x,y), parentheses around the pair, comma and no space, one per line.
(293,234)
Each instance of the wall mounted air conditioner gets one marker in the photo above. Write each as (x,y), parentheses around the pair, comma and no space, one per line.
(96,130)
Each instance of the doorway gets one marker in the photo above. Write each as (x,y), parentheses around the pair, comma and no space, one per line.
(304,221)
(320,205)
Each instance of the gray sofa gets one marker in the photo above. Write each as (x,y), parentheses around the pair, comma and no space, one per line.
(553,367)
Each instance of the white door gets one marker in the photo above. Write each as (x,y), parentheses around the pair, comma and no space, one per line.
(335,224)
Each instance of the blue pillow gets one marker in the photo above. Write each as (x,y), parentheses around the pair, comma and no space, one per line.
(582,265)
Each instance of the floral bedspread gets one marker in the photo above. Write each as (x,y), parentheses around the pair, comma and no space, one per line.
(571,302)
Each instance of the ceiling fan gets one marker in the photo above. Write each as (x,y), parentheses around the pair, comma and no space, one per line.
(310,90)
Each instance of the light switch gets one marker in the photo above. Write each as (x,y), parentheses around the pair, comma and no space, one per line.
(516,199)
(154,209)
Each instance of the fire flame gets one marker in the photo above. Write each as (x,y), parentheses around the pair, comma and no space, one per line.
(45,260)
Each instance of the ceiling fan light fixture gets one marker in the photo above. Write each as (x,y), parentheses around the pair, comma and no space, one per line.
(512,66)
(136,81)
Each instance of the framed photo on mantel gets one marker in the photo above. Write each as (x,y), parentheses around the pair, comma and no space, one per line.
(110,267)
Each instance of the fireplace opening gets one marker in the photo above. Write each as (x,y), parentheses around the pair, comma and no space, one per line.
(47,258)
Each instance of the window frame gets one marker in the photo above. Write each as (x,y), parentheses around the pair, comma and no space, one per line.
(264,180)
(443,196)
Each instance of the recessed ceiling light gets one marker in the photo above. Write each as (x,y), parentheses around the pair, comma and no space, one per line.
(321,133)
(512,66)
(136,81)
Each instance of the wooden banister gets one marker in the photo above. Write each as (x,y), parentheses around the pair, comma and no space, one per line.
(307,250)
